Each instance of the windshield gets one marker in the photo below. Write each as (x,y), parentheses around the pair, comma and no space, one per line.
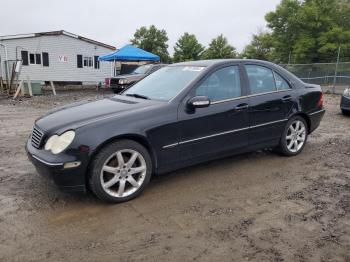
(165,83)
(141,69)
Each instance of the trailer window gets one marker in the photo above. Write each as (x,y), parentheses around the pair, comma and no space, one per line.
(38,59)
(35,59)
(87,61)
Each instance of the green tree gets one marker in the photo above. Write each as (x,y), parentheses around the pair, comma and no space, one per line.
(339,33)
(152,40)
(219,48)
(261,47)
(310,30)
(283,23)
(187,48)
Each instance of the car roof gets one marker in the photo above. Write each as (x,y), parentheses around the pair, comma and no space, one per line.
(206,63)
(218,62)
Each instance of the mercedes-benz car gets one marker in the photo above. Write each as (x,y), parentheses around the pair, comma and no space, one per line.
(119,83)
(181,115)
(345,102)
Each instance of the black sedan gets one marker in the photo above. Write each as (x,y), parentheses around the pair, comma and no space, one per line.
(181,115)
(118,84)
(345,102)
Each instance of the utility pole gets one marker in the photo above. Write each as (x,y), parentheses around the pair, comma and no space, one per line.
(336,71)
(6,65)
(2,76)
(290,57)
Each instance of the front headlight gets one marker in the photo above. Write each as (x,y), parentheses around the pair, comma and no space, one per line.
(347,92)
(59,143)
(123,81)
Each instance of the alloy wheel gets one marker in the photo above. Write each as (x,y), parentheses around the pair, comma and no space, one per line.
(123,173)
(296,136)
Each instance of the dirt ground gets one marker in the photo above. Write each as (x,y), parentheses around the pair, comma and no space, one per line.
(253,207)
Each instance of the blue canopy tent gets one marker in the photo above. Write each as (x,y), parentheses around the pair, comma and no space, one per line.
(130,53)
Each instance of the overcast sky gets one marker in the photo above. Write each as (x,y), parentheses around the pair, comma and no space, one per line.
(114,22)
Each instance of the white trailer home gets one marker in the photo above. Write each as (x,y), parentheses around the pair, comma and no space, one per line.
(56,56)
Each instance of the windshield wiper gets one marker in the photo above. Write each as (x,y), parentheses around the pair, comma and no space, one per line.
(138,96)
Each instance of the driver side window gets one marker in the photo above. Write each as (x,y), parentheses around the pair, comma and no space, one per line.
(221,85)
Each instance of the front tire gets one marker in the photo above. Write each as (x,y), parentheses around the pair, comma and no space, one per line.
(294,137)
(120,171)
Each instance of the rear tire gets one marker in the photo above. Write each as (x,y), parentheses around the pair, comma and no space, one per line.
(294,137)
(120,171)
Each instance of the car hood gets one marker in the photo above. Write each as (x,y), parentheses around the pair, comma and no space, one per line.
(83,113)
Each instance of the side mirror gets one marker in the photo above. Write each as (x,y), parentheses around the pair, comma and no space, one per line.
(199,102)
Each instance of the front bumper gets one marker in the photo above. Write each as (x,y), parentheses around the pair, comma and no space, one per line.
(345,103)
(52,167)
(118,88)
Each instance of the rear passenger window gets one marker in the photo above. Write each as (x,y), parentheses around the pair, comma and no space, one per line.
(281,84)
(221,85)
(261,79)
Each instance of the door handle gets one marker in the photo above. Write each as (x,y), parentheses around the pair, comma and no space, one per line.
(241,107)
(286,98)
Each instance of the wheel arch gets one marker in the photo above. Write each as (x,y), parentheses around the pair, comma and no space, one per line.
(135,137)
(306,118)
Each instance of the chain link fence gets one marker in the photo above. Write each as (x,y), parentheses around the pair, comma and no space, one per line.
(331,76)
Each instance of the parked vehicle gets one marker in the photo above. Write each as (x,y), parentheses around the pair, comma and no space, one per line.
(345,102)
(183,114)
(121,82)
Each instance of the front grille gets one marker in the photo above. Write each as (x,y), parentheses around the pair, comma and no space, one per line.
(37,136)
(114,81)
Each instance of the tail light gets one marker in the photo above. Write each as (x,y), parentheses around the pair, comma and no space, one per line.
(321,101)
